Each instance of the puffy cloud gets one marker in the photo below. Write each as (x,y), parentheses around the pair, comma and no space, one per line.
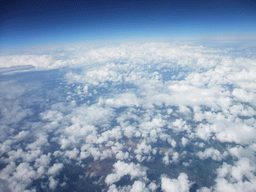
(14,114)
(242,110)
(52,115)
(243,168)
(239,133)
(94,115)
(180,125)
(143,148)
(121,169)
(240,177)
(138,186)
(243,95)
(212,153)
(124,100)
(65,143)
(72,154)
(43,160)
(20,177)
(42,139)
(130,105)
(115,133)
(181,184)
(152,186)
(120,155)
(175,157)
(55,169)
(52,183)
(24,173)
(184,141)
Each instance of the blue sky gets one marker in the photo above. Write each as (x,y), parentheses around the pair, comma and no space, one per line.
(25,23)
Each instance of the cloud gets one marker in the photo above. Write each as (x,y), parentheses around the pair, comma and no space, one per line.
(138,110)
(138,186)
(38,61)
(240,177)
(142,53)
(72,154)
(24,173)
(124,100)
(52,183)
(121,169)
(181,184)
(55,169)
(184,141)
(212,153)
(243,95)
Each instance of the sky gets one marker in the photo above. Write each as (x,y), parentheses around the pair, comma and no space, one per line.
(26,23)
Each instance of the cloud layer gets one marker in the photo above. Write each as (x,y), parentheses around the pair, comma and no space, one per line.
(135,117)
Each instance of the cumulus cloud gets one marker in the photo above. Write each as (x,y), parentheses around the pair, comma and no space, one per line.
(138,186)
(181,184)
(52,183)
(55,169)
(240,177)
(184,141)
(121,169)
(134,110)
(124,100)
(211,153)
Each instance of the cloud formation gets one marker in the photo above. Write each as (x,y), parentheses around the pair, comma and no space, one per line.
(136,117)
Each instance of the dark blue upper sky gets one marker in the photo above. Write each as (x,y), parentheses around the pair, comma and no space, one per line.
(31,22)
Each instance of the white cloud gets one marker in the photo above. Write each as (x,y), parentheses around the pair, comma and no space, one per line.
(43,160)
(243,95)
(42,139)
(212,153)
(24,173)
(65,143)
(121,169)
(95,153)
(55,169)
(181,184)
(239,133)
(128,104)
(152,186)
(138,186)
(19,177)
(180,125)
(240,177)
(14,114)
(52,183)
(72,154)
(124,100)
(143,148)
(183,109)
(184,141)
